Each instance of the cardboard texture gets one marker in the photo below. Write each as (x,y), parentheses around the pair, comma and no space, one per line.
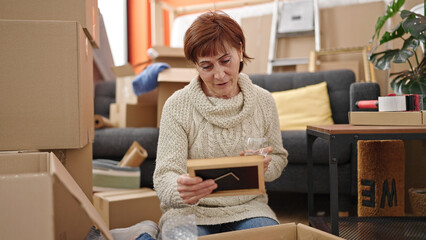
(169,81)
(125,208)
(86,12)
(46,85)
(78,163)
(288,231)
(40,200)
(124,89)
(388,118)
(102,57)
(241,175)
(124,115)
(175,57)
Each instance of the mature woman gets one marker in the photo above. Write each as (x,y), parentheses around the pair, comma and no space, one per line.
(212,117)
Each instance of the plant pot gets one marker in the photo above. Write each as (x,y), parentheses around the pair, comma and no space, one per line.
(418,200)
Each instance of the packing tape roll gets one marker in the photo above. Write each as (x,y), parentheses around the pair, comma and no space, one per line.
(103,122)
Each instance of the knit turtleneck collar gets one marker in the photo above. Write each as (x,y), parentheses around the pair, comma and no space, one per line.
(224,113)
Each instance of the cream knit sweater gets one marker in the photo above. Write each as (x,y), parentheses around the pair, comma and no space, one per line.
(196,126)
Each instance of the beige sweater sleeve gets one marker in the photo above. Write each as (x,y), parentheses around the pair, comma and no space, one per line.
(171,158)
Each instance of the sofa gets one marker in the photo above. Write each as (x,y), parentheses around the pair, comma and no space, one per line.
(112,143)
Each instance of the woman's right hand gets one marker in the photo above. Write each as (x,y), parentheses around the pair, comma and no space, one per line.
(192,189)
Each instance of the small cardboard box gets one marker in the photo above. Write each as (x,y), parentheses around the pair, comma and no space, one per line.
(388,118)
(241,175)
(86,12)
(125,115)
(288,231)
(124,88)
(169,81)
(46,93)
(175,57)
(125,208)
(40,200)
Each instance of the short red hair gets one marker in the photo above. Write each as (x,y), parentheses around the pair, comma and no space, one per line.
(210,33)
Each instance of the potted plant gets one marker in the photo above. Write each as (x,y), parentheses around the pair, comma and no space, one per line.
(411,30)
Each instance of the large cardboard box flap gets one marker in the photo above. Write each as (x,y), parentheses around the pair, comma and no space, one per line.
(287,231)
(40,200)
(175,57)
(46,93)
(86,12)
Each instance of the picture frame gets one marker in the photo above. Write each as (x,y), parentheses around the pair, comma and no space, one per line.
(240,175)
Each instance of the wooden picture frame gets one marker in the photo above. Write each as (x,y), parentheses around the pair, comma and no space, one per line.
(240,175)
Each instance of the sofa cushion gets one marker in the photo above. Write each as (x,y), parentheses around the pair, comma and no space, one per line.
(303,106)
(338,84)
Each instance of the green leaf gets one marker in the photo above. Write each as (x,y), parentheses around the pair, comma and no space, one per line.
(390,12)
(399,31)
(416,87)
(383,62)
(405,52)
(414,25)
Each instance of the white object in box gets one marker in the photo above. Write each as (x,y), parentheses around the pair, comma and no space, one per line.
(296,16)
(40,200)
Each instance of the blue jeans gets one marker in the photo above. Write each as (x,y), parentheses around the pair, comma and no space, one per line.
(233,226)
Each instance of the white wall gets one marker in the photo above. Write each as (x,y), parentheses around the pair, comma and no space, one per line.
(115,18)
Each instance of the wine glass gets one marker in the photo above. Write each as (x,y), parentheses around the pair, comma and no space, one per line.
(256,146)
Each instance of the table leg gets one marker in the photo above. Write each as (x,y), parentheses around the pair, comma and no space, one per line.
(338,143)
(310,161)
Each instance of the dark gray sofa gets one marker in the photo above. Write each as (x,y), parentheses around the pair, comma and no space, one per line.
(112,143)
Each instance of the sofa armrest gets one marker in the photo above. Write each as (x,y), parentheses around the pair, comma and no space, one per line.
(363,91)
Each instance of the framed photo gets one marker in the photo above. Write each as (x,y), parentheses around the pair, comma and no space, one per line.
(241,175)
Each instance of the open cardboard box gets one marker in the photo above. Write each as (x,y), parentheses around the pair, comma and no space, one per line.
(40,200)
(287,231)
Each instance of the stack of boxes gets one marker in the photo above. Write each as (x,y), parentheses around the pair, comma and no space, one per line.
(46,103)
(145,110)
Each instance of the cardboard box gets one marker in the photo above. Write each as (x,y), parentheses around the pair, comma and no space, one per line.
(388,118)
(288,231)
(125,208)
(78,163)
(242,175)
(175,57)
(169,81)
(124,88)
(86,12)
(46,94)
(133,115)
(40,200)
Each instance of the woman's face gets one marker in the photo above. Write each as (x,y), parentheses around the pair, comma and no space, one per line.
(219,74)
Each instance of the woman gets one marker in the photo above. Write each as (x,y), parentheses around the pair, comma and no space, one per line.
(212,117)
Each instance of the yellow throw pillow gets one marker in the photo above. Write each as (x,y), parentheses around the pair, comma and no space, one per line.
(303,106)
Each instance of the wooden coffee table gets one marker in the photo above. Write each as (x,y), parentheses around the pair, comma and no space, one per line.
(340,137)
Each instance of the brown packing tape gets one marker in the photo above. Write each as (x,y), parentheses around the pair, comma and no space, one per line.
(103,122)
(134,156)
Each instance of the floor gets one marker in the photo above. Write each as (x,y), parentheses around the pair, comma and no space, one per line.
(293,207)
